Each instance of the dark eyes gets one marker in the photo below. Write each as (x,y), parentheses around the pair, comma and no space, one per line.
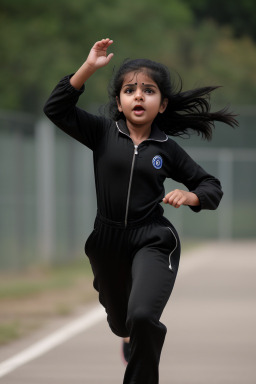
(128,90)
(149,90)
(146,90)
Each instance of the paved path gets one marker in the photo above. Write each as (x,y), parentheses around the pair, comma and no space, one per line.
(211,335)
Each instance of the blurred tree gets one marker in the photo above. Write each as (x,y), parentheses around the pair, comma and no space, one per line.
(241,15)
(43,41)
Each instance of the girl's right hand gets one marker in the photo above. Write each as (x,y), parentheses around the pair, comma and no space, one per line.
(98,57)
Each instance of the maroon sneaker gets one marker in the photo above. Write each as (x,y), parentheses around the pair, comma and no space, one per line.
(126,351)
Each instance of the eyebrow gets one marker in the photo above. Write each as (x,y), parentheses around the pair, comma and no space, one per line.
(145,85)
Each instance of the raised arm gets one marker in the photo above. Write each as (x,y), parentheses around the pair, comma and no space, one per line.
(96,59)
(61,107)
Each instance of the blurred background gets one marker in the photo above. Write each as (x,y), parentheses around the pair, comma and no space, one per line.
(47,193)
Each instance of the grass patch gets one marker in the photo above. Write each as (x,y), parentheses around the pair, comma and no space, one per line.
(39,280)
(9,332)
(39,294)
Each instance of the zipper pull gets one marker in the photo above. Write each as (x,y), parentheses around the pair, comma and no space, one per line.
(136,149)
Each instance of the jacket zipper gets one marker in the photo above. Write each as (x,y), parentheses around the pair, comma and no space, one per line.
(132,168)
(130,184)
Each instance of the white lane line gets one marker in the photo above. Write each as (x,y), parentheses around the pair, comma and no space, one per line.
(81,324)
(195,259)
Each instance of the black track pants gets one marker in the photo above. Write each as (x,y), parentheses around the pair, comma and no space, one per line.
(134,272)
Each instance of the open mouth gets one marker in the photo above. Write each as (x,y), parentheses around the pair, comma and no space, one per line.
(138,108)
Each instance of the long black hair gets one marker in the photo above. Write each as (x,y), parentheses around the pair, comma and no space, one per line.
(186,111)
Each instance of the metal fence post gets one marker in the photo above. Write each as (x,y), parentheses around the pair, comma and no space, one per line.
(225,163)
(20,196)
(45,149)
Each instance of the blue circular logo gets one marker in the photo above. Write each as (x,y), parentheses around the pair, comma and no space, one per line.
(157,162)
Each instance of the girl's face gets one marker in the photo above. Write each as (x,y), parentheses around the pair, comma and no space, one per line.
(140,99)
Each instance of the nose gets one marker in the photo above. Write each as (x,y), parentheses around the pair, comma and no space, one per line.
(138,94)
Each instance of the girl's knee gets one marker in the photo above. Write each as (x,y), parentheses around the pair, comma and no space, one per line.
(118,328)
(140,318)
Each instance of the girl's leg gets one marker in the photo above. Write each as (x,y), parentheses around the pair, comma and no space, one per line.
(111,267)
(135,289)
(153,281)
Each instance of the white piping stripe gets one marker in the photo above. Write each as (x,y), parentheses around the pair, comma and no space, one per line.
(170,263)
(79,325)
(122,131)
(149,139)
(160,140)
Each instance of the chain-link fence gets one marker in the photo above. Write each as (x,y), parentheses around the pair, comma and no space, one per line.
(47,194)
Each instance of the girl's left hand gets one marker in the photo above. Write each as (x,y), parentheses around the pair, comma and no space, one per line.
(179,197)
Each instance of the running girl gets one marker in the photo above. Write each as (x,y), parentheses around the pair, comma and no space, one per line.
(134,250)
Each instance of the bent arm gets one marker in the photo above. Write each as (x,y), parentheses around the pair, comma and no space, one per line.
(206,187)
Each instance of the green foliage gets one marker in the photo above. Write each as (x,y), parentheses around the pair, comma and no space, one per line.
(43,41)
(240,14)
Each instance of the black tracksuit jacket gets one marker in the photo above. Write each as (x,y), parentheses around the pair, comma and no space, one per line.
(129,179)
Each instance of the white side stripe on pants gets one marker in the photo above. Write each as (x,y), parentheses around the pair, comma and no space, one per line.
(176,244)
